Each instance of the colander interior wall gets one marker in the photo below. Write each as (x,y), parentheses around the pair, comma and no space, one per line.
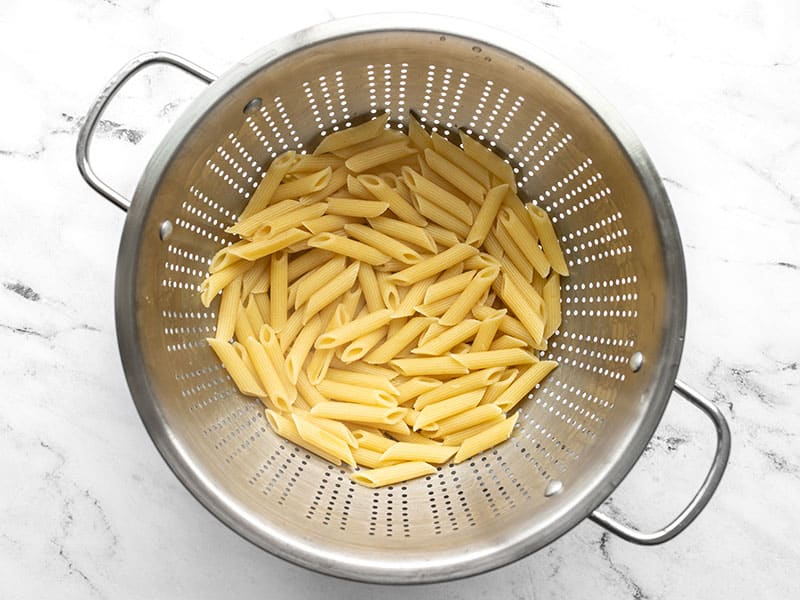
(573,428)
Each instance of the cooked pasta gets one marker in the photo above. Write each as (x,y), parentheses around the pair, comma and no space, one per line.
(386,299)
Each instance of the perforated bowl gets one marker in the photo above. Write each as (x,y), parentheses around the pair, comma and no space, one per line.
(624,304)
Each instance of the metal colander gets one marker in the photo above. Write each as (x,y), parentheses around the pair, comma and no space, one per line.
(618,348)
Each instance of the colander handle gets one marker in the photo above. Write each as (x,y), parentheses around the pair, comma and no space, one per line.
(703,495)
(98,107)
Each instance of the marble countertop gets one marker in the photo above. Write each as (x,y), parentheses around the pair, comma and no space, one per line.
(88,509)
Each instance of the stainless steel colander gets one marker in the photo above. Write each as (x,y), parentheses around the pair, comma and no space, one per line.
(618,348)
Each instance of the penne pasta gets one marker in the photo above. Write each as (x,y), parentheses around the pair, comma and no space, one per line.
(388,291)
(315,435)
(405,232)
(413,296)
(488,159)
(476,288)
(523,385)
(353,135)
(452,204)
(292,219)
(435,264)
(393,474)
(236,368)
(487,331)
(507,341)
(359,347)
(347,247)
(461,159)
(449,338)
(454,405)
(455,176)
(301,347)
(317,278)
(287,429)
(228,308)
(383,243)
(213,284)
(434,365)
(380,155)
(486,216)
(455,439)
(394,345)
(269,245)
(448,286)
(303,186)
(418,136)
(346,392)
(401,207)
(494,358)
(350,331)
(473,381)
(441,217)
(484,440)
(547,238)
(431,453)
(468,418)
(551,294)
(278,289)
(493,392)
(524,240)
(331,291)
(360,413)
(265,191)
(353,207)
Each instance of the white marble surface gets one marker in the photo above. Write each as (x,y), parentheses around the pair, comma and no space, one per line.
(88,508)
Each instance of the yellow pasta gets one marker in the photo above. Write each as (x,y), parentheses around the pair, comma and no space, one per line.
(228,308)
(406,451)
(347,247)
(263,195)
(387,281)
(435,264)
(405,232)
(382,242)
(486,439)
(353,207)
(353,135)
(393,474)
(548,239)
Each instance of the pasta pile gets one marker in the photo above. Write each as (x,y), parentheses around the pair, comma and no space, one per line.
(387,299)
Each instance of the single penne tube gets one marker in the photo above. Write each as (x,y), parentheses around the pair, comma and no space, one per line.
(332,444)
(261,285)
(215,282)
(376,382)
(317,278)
(271,381)
(531,296)
(418,136)
(380,155)
(507,377)
(444,238)
(360,346)
(413,297)
(468,298)
(431,332)
(394,345)
(477,380)
(345,392)
(448,286)
(290,220)
(432,453)
(455,176)
(551,294)
(308,390)
(486,439)
(247,226)
(488,159)
(401,207)
(493,247)
(367,369)
(390,266)
(269,340)
(236,367)
(355,328)
(512,252)
(382,476)
(278,289)
(405,232)
(495,358)
(450,203)
(242,328)
(514,299)
(506,341)
(433,265)
(449,338)
(396,325)
(369,287)
(524,383)
(258,271)
(328,223)
(487,331)
(360,413)
(372,441)
(387,136)
(460,348)
(413,437)
(411,416)
(433,365)
(382,242)
(271,244)
(321,359)
(306,262)
(301,347)
(524,240)
(461,159)
(508,324)
(265,191)
(481,261)
(336,183)
(415,386)
(302,186)
(347,247)
(441,217)
(433,413)
(286,428)
(262,302)
(353,135)
(487,214)
(547,238)
(228,308)
(354,207)
(388,290)
(455,439)
(468,418)
(331,291)
(312,162)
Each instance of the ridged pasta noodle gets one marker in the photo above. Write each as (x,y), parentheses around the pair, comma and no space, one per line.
(387,298)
